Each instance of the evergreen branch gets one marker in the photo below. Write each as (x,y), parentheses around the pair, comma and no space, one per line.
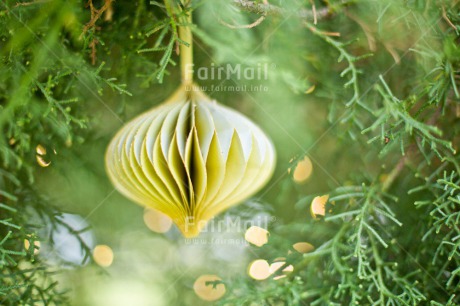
(396,115)
(351,70)
(362,229)
(444,218)
(96,76)
(169,25)
(95,15)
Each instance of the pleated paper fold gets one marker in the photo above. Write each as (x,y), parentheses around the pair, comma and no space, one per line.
(190,158)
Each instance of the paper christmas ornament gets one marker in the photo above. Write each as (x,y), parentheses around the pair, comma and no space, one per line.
(190,158)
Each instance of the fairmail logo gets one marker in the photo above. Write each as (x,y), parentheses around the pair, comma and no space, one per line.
(229,71)
(227,224)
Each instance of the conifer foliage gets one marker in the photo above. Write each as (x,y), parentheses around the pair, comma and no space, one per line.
(380,82)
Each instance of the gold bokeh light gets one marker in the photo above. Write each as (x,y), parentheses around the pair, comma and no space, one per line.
(41,151)
(278,264)
(36,246)
(303,170)
(259,269)
(256,235)
(208,291)
(157,221)
(303,247)
(318,206)
(103,255)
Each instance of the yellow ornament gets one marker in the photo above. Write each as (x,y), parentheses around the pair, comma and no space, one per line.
(190,157)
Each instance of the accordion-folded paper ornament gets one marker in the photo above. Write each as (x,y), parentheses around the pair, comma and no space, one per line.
(190,158)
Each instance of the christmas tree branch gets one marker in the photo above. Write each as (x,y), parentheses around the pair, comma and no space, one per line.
(95,15)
